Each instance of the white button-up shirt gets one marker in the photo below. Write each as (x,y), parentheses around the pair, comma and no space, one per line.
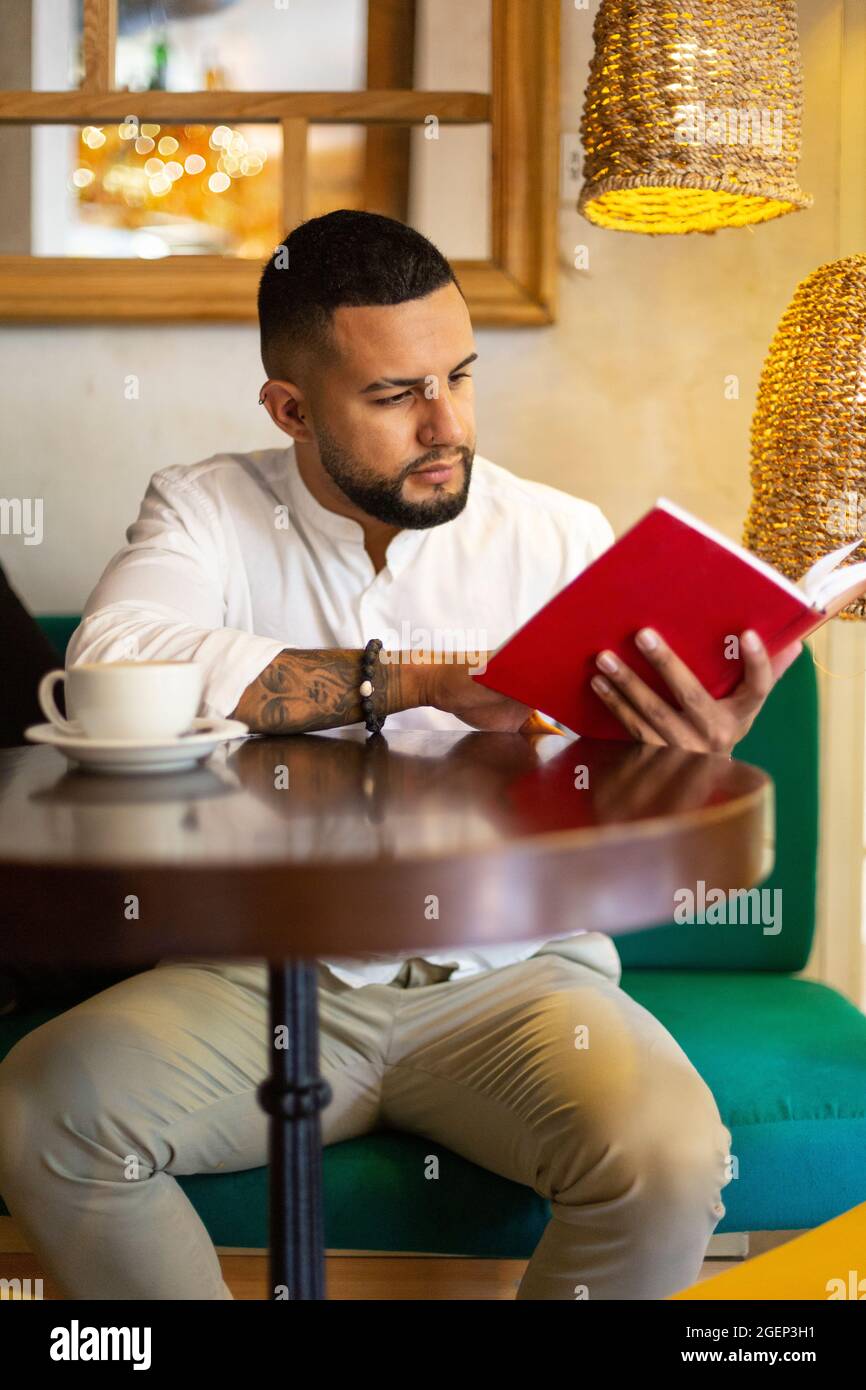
(232,560)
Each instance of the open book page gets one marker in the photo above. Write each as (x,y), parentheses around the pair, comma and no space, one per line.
(829,585)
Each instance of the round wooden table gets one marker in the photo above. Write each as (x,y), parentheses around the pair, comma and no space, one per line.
(335,845)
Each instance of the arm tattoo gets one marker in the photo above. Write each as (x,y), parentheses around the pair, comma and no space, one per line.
(306,690)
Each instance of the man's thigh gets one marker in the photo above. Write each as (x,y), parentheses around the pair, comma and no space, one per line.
(167,1063)
(543,1067)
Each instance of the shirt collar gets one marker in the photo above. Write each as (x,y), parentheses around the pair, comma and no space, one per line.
(405,546)
(401,548)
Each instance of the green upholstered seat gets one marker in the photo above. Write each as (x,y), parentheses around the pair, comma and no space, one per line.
(58,628)
(784,742)
(785,1059)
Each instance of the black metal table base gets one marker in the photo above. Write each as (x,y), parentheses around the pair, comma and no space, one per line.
(293,1096)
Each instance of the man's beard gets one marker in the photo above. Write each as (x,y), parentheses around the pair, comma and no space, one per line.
(382,499)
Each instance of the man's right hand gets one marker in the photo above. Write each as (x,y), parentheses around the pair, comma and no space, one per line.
(450,687)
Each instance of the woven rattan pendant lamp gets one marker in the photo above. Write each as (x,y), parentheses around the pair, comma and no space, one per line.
(808,465)
(691,120)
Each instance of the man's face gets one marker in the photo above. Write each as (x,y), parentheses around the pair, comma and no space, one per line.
(393,412)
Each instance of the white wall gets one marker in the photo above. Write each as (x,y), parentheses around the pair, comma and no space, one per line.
(619,401)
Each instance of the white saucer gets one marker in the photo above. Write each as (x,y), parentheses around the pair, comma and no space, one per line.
(140,755)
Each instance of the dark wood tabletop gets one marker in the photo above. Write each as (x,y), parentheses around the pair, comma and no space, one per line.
(330,845)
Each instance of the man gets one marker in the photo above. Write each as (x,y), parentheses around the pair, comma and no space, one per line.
(274,570)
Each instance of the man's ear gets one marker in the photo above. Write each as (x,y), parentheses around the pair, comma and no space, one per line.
(284,402)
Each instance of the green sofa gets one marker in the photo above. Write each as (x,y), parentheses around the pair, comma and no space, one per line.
(785,1058)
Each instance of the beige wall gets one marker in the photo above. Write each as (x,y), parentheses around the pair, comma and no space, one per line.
(621,400)
(624,399)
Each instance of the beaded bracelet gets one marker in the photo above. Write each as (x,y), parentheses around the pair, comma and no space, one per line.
(368,660)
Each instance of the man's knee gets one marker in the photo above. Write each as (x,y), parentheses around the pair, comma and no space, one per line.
(62,1077)
(21,1107)
(688,1162)
(663,1144)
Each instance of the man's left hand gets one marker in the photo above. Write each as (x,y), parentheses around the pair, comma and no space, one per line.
(696,721)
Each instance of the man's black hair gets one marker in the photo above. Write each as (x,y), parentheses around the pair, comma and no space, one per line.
(344,258)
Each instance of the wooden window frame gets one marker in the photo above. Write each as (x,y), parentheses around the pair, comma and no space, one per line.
(517,285)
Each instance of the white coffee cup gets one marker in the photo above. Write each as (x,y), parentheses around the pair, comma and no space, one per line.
(125,699)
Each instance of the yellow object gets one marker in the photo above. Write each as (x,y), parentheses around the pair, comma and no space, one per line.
(537,724)
(827,1263)
(691,120)
(808,467)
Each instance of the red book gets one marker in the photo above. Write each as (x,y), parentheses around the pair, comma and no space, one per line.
(698,589)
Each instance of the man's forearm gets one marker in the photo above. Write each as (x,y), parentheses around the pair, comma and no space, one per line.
(301,691)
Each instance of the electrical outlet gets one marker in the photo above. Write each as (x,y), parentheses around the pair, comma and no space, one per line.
(571,165)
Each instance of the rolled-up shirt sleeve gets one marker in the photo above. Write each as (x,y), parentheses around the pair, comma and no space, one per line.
(162,598)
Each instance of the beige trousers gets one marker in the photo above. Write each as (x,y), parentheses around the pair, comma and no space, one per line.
(544,1071)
